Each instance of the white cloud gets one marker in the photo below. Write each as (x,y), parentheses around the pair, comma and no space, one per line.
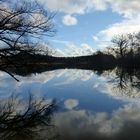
(74,6)
(66,6)
(98,4)
(124,27)
(72,49)
(131,25)
(69,20)
(124,7)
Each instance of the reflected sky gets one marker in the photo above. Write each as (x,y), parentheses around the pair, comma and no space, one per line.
(88,103)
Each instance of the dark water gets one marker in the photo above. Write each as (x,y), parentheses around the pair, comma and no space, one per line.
(84,105)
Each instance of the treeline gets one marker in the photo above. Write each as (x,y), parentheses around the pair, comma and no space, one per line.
(126,50)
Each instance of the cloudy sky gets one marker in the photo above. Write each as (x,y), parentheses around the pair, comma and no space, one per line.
(84,26)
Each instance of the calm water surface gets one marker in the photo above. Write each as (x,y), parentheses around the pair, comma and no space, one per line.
(90,104)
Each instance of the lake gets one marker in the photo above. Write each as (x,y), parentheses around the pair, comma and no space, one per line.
(88,105)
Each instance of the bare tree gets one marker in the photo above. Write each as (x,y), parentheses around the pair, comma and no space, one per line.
(22,21)
(120,45)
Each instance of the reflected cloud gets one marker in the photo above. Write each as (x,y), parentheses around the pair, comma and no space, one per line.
(35,82)
(71,103)
(68,74)
(81,124)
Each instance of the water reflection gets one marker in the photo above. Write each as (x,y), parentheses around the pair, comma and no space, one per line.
(123,123)
(26,119)
(103,104)
(122,82)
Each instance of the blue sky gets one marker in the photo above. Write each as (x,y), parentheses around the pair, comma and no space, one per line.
(84,26)
(87,26)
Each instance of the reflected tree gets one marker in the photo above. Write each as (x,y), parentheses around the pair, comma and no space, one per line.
(126,81)
(26,120)
(122,81)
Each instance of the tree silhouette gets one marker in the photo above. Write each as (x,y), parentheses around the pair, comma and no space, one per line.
(22,21)
(120,45)
(26,120)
